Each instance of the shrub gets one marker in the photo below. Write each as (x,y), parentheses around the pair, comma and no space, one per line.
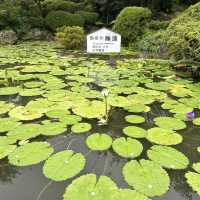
(52,5)
(89,17)
(153,44)
(158,25)
(131,23)
(183,35)
(71,37)
(56,19)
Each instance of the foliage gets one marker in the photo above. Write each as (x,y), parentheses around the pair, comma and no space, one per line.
(132,18)
(146,177)
(71,37)
(63,165)
(89,17)
(184,36)
(56,19)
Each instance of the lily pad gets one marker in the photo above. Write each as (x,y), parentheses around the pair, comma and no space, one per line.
(7,124)
(51,129)
(5,150)
(127,194)
(99,142)
(22,113)
(71,119)
(170,123)
(9,91)
(168,157)
(30,154)
(146,177)
(127,148)
(81,128)
(63,165)
(135,119)
(135,132)
(163,136)
(196,121)
(57,114)
(24,132)
(97,189)
(196,167)
(193,179)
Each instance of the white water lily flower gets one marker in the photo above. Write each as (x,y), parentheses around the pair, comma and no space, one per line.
(105,92)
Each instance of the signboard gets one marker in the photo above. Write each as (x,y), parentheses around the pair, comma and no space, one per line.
(103,41)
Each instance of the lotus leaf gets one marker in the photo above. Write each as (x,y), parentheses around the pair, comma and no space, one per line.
(99,142)
(168,157)
(170,123)
(30,154)
(179,91)
(135,119)
(196,121)
(5,107)
(97,189)
(135,132)
(33,84)
(63,165)
(25,132)
(138,108)
(146,177)
(193,179)
(181,109)
(5,150)
(118,101)
(51,129)
(128,148)
(22,113)
(163,136)
(162,86)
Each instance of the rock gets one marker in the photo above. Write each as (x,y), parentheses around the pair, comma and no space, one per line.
(37,34)
(8,37)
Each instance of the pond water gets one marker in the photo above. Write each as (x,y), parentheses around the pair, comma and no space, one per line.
(29,183)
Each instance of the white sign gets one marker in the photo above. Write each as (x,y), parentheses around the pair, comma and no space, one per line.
(103,41)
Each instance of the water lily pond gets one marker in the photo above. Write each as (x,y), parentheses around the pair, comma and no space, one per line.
(75,128)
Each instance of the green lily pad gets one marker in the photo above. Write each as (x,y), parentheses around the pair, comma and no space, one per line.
(138,108)
(25,132)
(127,194)
(135,119)
(146,177)
(7,124)
(163,136)
(4,140)
(198,149)
(5,150)
(9,91)
(5,107)
(193,179)
(51,129)
(170,123)
(31,92)
(196,167)
(81,128)
(102,188)
(57,114)
(196,121)
(127,147)
(168,157)
(71,119)
(33,84)
(22,113)
(135,132)
(99,142)
(63,165)
(30,154)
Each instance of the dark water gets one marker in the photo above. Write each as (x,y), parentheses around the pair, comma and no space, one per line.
(27,182)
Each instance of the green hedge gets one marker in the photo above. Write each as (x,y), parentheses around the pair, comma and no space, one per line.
(131,23)
(56,19)
(183,35)
(89,17)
